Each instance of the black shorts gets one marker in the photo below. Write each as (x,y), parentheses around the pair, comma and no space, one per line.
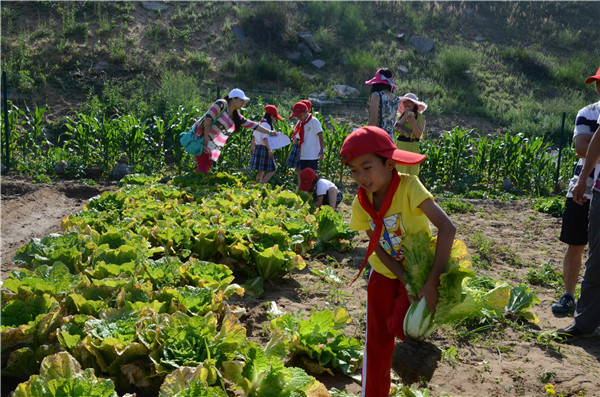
(574,230)
(314,164)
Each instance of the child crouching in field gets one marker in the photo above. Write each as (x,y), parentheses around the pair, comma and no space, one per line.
(389,206)
(325,192)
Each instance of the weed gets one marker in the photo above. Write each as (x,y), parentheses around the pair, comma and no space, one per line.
(455,205)
(547,276)
(450,355)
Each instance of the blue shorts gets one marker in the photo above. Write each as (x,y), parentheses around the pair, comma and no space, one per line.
(314,164)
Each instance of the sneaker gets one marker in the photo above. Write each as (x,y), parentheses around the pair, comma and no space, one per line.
(570,332)
(566,304)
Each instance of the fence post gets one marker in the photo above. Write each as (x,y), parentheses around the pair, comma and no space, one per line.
(6,121)
(218,93)
(560,147)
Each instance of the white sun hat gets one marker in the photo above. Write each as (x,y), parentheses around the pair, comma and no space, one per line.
(413,98)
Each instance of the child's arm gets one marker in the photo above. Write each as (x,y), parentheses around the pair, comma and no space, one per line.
(319,200)
(266,141)
(445,239)
(322,143)
(389,262)
(252,143)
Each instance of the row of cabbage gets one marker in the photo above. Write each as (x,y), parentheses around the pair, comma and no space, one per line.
(136,291)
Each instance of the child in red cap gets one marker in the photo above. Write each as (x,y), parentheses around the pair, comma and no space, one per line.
(389,206)
(324,191)
(308,145)
(261,155)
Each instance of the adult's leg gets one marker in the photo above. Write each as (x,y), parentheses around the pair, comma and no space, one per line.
(587,311)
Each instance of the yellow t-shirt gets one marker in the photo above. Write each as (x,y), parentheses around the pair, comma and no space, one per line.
(403,217)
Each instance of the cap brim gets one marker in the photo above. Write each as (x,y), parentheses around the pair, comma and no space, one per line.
(278,117)
(592,78)
(404,157)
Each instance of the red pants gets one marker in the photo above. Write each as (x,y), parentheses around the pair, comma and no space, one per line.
(204,162)
(387,304)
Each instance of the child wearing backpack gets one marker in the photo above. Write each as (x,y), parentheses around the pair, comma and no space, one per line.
(390,205)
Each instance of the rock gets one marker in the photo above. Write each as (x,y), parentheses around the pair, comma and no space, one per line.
(100,66)
(120,171)
(435,133)
(239,33)
(61,167)
(123,159)
(423,44)
(304,50)
(154,5)
(401,36)
(317,96)
(479,37)
(307,38)
(402,68)
(507,185)
(318,63)
(345,90)
(293,56)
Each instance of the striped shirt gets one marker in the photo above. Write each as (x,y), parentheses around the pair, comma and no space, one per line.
(221,129)
(586,123)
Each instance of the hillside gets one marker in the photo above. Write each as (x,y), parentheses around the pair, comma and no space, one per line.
(492,65)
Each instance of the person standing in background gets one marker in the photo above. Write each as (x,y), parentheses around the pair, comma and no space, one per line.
(574,229)
(261,155)
(410,127)
(383,102)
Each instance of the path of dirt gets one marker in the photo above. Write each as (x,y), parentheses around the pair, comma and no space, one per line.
(503,363)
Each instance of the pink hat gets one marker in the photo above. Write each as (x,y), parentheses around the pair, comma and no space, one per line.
(371,139)
(595,77)
(298,109)
(379,78)
(413,98)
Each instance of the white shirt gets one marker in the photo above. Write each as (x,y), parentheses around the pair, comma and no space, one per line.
(259,137)
(323,186)
(311,147)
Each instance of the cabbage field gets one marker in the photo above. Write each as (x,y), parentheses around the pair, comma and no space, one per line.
(147,288)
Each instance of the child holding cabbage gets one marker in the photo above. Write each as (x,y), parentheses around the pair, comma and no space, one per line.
(388,207)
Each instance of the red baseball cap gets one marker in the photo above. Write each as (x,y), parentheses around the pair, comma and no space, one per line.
(307,103)
(298,109)
(371,139)
(271,109)
(595,77)
(307,177)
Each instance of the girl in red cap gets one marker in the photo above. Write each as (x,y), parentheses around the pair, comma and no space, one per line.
(388,207)
(261,155)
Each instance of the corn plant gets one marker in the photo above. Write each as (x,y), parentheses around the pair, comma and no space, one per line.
(133,131)
(81,137)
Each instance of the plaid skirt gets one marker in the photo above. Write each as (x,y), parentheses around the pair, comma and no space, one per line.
(260,160)
(293,159)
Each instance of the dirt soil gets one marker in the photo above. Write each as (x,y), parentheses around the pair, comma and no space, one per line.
(501,362)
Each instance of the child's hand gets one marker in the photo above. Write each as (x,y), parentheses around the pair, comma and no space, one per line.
(431,294)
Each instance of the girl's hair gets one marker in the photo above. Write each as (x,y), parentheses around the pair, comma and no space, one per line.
(382,86)
(235,116)
(269,118)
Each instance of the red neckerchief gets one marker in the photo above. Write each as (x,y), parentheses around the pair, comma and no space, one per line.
(300,129)
(367,205)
